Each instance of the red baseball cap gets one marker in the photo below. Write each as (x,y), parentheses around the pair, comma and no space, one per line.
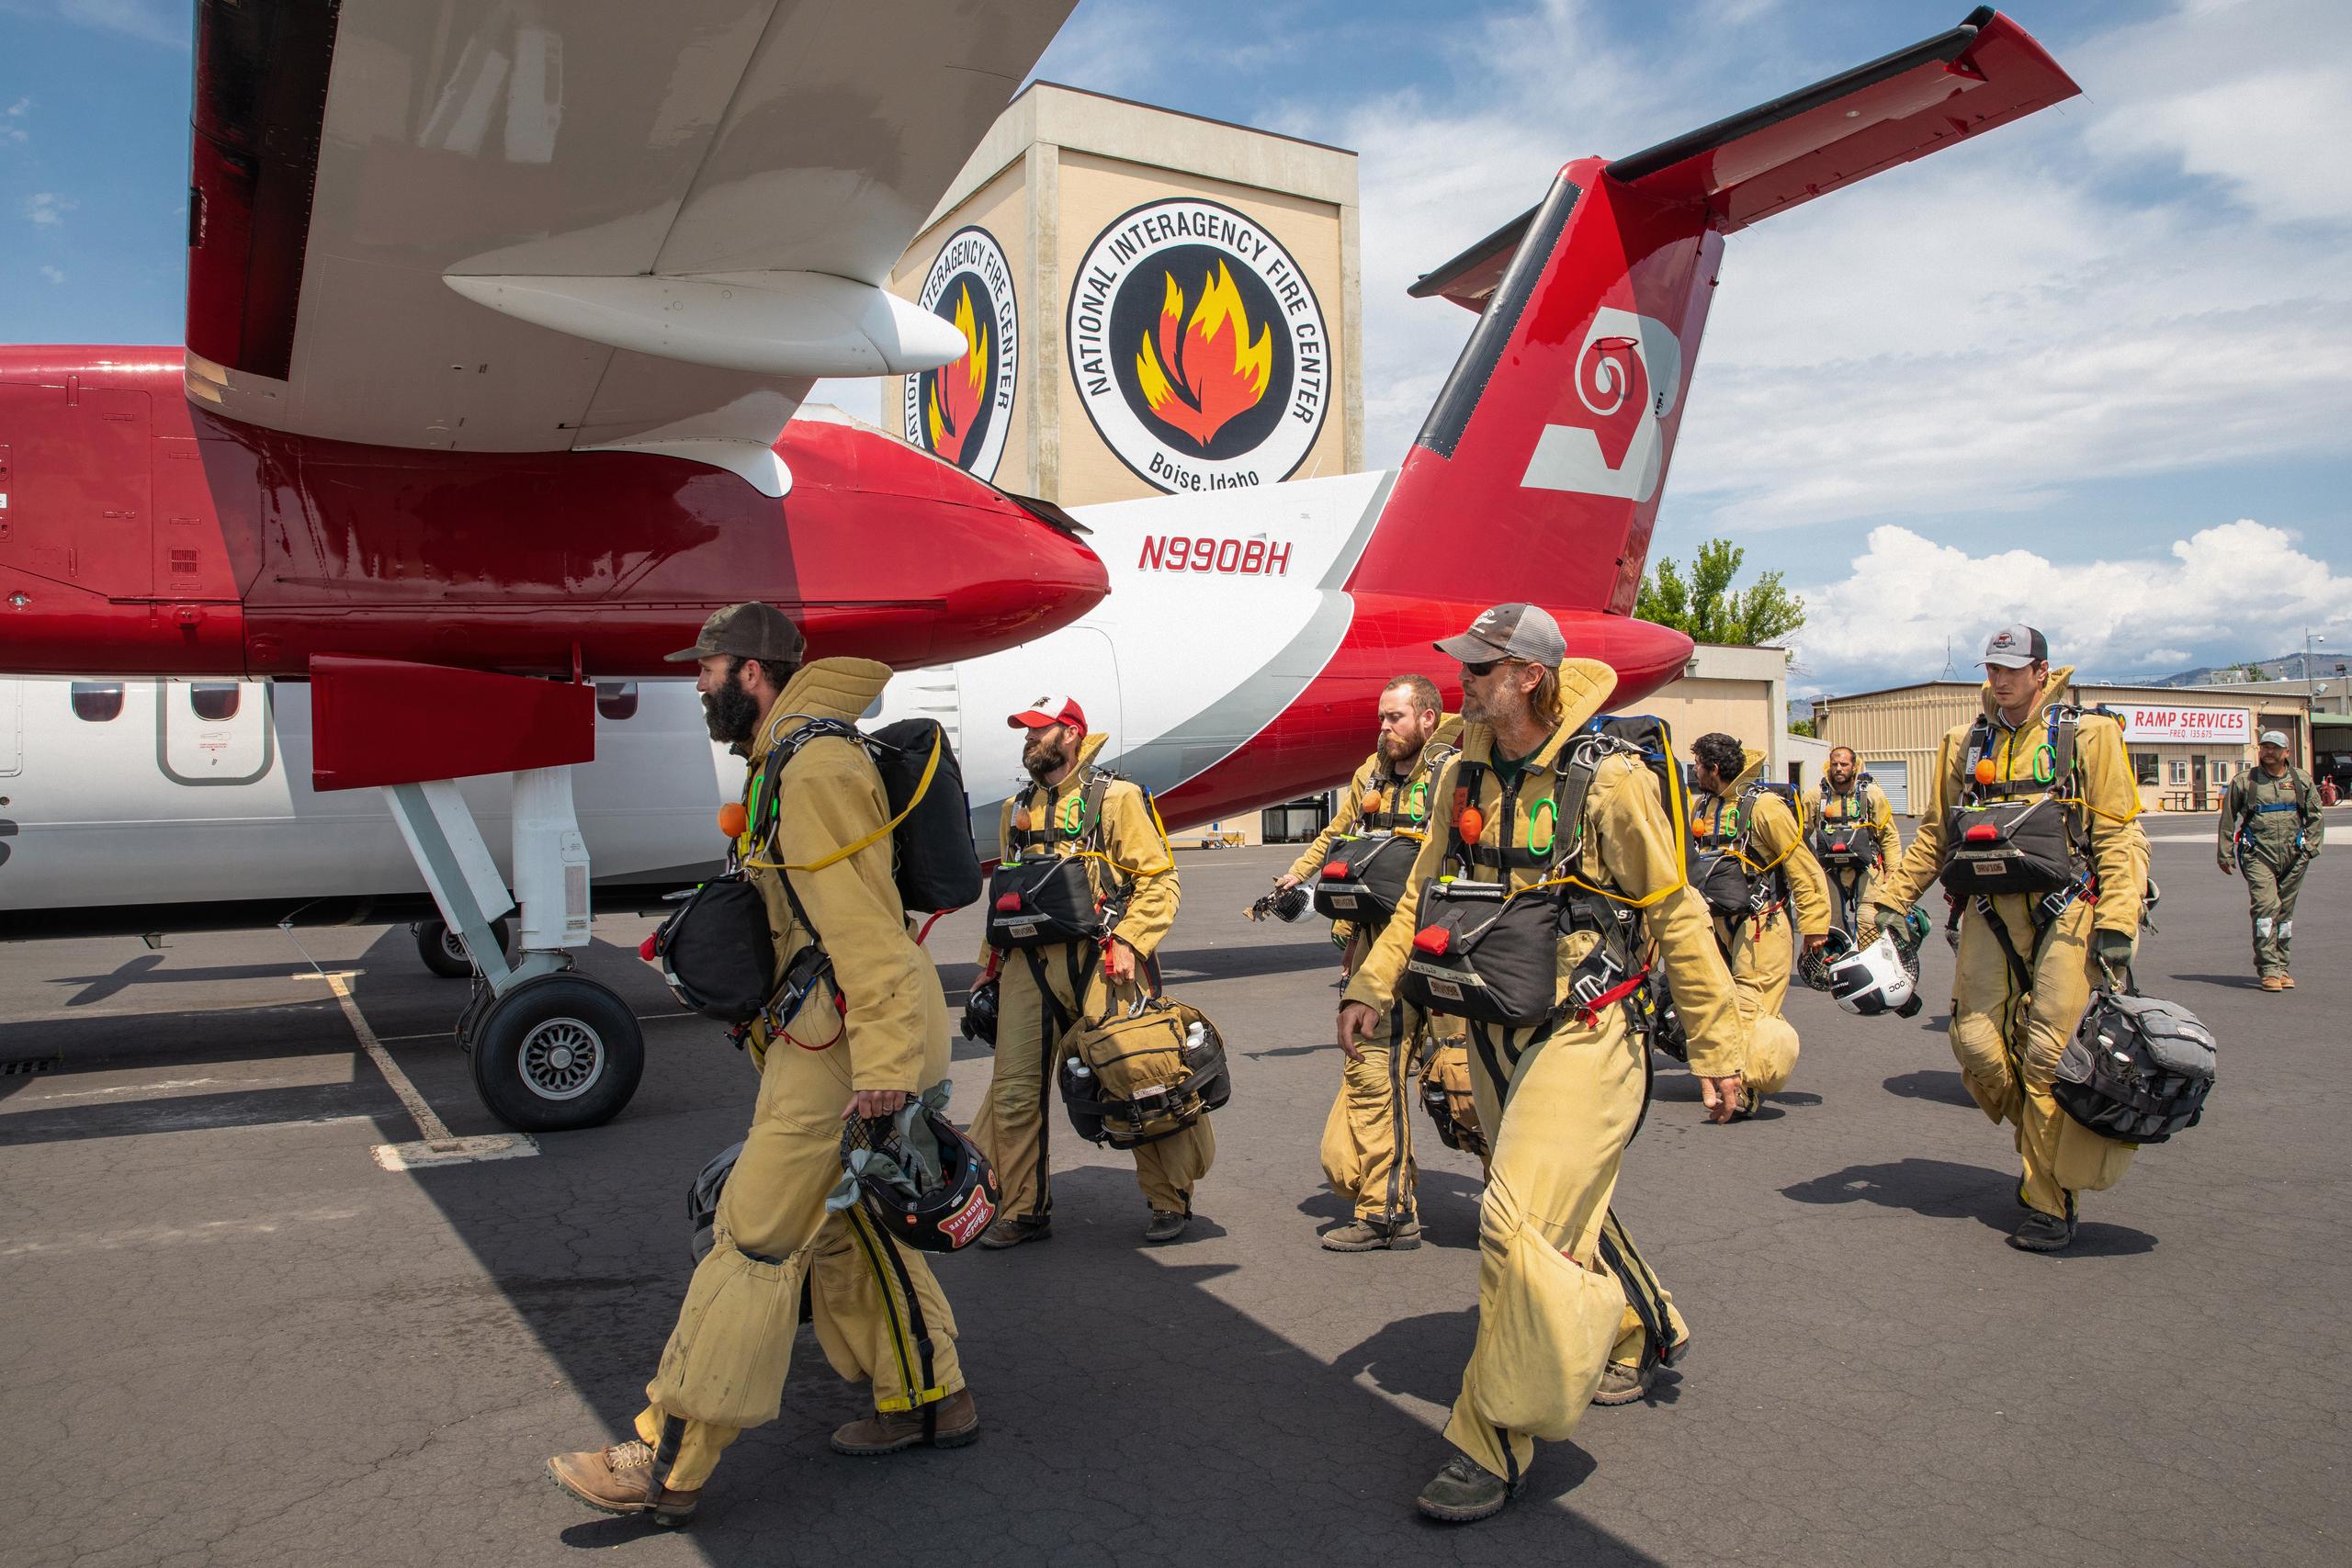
(1049,710)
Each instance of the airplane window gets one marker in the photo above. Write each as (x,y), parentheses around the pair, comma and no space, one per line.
(617,700)
(97,701)
(215,702)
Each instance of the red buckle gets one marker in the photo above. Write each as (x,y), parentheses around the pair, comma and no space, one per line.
(650,948)
(1335,868)
(1008,902)
(1982,833)
(1433,941)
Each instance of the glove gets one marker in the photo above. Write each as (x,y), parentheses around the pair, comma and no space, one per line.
(2113,950)
(1867,924)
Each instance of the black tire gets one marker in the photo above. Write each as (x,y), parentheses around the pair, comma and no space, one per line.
(444,951)
(557,1052)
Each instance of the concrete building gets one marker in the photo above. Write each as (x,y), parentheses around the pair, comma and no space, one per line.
(1156,302)
(2187,742)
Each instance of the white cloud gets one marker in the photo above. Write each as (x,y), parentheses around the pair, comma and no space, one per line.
(13,120)
(1973,333)
(46,210)
(2241,590)
(55,275)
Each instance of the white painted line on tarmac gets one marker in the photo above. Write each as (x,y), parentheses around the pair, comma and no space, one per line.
(681,1016)
(439,1145)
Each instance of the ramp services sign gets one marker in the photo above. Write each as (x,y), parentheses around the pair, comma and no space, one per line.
(2205,727)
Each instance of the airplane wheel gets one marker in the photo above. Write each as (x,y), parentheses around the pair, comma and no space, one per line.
(444,951)
(557,1052)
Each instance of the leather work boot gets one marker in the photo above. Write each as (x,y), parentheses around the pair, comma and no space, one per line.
(1372,1236)
(1621,1384)
(949,1423)
(620,1480)
(1009,1232)
(1165,1225)
(1463,1490)
(2045,1233)
(2274,983)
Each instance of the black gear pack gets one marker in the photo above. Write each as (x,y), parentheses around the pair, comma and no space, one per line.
(1845,842)
(2138,1070)
(1364,875)
(2011,836)
(1052,899)
(1490,954)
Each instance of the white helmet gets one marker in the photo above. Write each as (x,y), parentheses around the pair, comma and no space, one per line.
(1873,980)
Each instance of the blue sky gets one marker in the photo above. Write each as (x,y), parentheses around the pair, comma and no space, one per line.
(2094,370)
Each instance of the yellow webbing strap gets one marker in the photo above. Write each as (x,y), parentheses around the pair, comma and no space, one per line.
(929,772)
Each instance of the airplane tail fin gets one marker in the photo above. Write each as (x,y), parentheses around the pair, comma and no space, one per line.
(1536,475)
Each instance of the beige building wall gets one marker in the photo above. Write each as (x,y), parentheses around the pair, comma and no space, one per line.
(1057,170)
(1908,724)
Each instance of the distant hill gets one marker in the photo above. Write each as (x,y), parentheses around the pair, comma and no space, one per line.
(2289,667)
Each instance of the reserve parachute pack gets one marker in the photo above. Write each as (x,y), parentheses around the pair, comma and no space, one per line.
(1844,842)
(1041,897)
(1363,877)
(1723,869)
(718,950)
(1488,954)
(2011,836)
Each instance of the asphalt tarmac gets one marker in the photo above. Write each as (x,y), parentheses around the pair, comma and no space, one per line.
(231,1337)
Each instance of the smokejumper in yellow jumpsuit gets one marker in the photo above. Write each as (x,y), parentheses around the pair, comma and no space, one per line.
(1755,945)
(2012,1016)
(877,1311)
(1860,817)
(1561,1102)
(1133,873)
(1368,1136)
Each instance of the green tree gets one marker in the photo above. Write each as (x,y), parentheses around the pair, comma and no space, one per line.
(1803,726)
(1703,607)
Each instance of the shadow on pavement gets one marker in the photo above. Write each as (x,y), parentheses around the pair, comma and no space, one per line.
(1944,1189)
(1942,1087)
(1097,1364)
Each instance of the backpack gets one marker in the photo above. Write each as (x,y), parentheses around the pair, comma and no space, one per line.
(718,951)
(1726,877)
(933,863)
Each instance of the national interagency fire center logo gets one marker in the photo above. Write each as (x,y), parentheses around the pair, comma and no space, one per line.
(961,411)
(1198,347)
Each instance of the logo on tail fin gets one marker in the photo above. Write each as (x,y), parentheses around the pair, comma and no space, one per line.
(1628,378)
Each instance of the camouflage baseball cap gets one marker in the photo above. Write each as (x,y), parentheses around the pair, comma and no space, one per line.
(1508,631)
(748,630)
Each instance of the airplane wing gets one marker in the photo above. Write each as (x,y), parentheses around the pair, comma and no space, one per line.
(1983,73)
(497,225)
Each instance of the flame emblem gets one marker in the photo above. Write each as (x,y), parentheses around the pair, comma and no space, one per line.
(1201,373)
(1615,384)
(955,387)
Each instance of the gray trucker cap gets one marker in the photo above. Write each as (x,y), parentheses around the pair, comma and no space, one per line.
(1508,631)
(2014,648)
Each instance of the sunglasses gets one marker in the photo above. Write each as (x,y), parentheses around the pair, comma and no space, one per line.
(1488,667)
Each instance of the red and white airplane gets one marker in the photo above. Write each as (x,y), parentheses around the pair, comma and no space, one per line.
(417,472)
